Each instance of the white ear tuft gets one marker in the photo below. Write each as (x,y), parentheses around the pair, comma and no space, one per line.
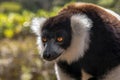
(80,22)
(36,25)
(80,25)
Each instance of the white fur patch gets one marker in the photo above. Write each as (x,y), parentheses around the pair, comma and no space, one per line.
(36,26)
(81,25)
(113,74)
(61,75)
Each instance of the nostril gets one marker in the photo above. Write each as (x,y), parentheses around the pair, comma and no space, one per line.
(46,56)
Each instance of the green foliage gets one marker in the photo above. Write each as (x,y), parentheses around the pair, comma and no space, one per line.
(10,6)
(45,13)
(15,21)
(105,3)
(12,23)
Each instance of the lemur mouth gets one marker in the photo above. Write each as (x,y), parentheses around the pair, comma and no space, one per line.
(52,57)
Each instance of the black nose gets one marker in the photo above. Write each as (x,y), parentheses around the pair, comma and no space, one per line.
(46,56)
(50,56)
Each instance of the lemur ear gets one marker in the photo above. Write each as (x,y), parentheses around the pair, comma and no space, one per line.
(79,23)
(37,24)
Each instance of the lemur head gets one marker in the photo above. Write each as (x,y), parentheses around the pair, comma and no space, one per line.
(61,36)
(66,35)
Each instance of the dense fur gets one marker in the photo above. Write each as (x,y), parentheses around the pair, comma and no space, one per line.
(92,48)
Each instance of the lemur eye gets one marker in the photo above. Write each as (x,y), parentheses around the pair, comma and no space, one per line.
(60,39)
(44,39)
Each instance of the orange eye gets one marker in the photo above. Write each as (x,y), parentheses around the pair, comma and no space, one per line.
(60,39)
(44,39)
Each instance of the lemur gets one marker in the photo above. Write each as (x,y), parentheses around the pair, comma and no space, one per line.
(83,40)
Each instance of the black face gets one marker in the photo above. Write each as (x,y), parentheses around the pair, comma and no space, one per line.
(56,37)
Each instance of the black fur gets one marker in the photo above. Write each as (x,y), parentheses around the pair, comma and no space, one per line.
(93,78)
(58,28)
(74,69)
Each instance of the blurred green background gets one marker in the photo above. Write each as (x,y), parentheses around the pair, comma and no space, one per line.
(19,58)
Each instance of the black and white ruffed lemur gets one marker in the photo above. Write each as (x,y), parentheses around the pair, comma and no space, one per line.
(83,40)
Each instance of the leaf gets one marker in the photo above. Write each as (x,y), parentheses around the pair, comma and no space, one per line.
(9,33)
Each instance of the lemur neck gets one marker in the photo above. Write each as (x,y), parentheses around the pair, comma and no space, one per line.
(73,69)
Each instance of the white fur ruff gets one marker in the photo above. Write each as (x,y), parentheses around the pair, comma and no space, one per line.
(81,25)
(36,26)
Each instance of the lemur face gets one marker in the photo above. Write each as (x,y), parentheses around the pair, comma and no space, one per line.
(55,37)
(63,37)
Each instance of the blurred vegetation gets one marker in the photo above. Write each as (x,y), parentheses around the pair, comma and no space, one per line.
(19,58)
(15,22)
